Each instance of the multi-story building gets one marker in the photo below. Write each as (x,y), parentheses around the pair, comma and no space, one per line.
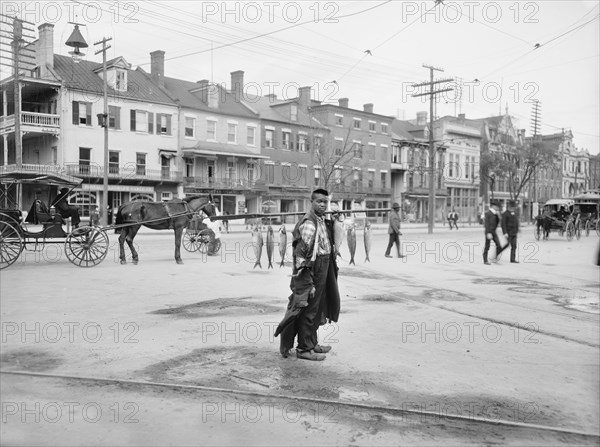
(289,136)
(354,161)
(219,138)
(462,141)
(61,101)
(594,171)
(411,173)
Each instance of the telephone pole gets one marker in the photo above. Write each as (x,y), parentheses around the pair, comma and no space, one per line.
(431,93)
(104,123)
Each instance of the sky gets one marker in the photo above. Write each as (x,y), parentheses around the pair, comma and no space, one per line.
(497,56)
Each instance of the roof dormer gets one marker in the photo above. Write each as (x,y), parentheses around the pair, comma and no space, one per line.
(116,73)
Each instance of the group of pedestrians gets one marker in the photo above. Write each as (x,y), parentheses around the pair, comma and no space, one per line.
(508,222)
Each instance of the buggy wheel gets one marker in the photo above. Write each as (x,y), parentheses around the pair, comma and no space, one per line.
(86,246)
(216,246)
(570,230)
(191,241)
(207,237)
(537,233)
(11,244)
(578,230)
(587,228)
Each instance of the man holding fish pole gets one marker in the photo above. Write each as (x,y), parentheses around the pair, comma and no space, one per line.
(315,296)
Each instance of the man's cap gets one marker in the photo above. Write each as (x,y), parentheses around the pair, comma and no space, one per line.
(396,206)
(494,202)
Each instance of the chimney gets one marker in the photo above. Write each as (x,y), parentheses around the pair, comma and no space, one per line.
(45,49)
(237,84)
(304,98)
(421,118)
(368,108)
(343,102)
(157,67)
(461,117)
(202,83)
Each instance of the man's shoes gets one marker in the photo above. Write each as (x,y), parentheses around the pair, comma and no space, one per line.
(310,355)
(322,349)
(487,263)
(388,256)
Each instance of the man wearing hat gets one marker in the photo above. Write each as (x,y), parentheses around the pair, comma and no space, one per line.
(510,228)
(66,210)
(394,231)
(491,221)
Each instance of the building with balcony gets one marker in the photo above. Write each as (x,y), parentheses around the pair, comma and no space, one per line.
(60,128)
(289,136)
(353,161)
(594,171)
(411,173)
(462,141)
(219,140)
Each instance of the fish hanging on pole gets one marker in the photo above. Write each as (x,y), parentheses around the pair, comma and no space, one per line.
(351,236)
(339,233)
(257,242)
(270,246)
(282,244)
(367,239)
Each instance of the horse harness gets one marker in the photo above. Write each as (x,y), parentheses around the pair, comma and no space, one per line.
(188,212)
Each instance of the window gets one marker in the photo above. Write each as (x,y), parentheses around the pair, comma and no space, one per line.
(384,128)
(141,121)
(82,113)
(165,167)
(384,179)
(85,156)
(339,120)
(372,151)
(114,117)
(294,112)
(302,143)
(189,167)
(338,146)
(120,81)
(357,149)
(230,174)
(384,152)
(318,141)
(231,132)
(251,135)
(165,195)
(211,130)
(54,155)
(356,123)
(190,127)
(140,164)
(371,179)
(250,173)
(356,178)
(286,140)
(371,126)
(317,176)
(302,173)
(269,138)
(163,124)
(450,166)
(270,173)
(467,166)
(337,175)
(113,162)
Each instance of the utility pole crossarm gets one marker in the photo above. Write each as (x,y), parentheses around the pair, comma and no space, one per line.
(433,92)
(439,81)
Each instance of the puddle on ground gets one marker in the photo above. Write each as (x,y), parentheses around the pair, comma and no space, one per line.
(219,306)
(510,282)
(587,302)
(29,360)
(445,295)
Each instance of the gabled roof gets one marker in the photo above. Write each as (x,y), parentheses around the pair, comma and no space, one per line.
(192,95)
(407,130)
(82,76)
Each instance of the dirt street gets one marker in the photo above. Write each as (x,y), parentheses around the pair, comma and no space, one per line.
(433,349)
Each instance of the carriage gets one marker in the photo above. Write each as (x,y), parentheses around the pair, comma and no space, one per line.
(84,247)
(202,236)
(587,210)
(557,215)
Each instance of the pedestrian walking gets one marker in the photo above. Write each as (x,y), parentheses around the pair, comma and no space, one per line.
(315,296)
(453,218)
(394,231)
(510,228)
(491,221)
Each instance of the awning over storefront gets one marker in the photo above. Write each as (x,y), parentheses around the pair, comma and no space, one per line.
(216,149)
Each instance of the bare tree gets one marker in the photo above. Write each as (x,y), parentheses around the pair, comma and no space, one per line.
(516,166)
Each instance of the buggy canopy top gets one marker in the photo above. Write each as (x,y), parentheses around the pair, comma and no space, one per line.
(49,178)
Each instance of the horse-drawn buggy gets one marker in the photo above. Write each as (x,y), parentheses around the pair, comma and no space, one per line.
(587,210)
(557,215)
(84,247)
(87,246)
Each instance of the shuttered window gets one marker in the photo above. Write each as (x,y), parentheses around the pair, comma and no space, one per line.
(82,113)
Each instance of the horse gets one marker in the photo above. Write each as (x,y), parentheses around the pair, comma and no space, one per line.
(175,214)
